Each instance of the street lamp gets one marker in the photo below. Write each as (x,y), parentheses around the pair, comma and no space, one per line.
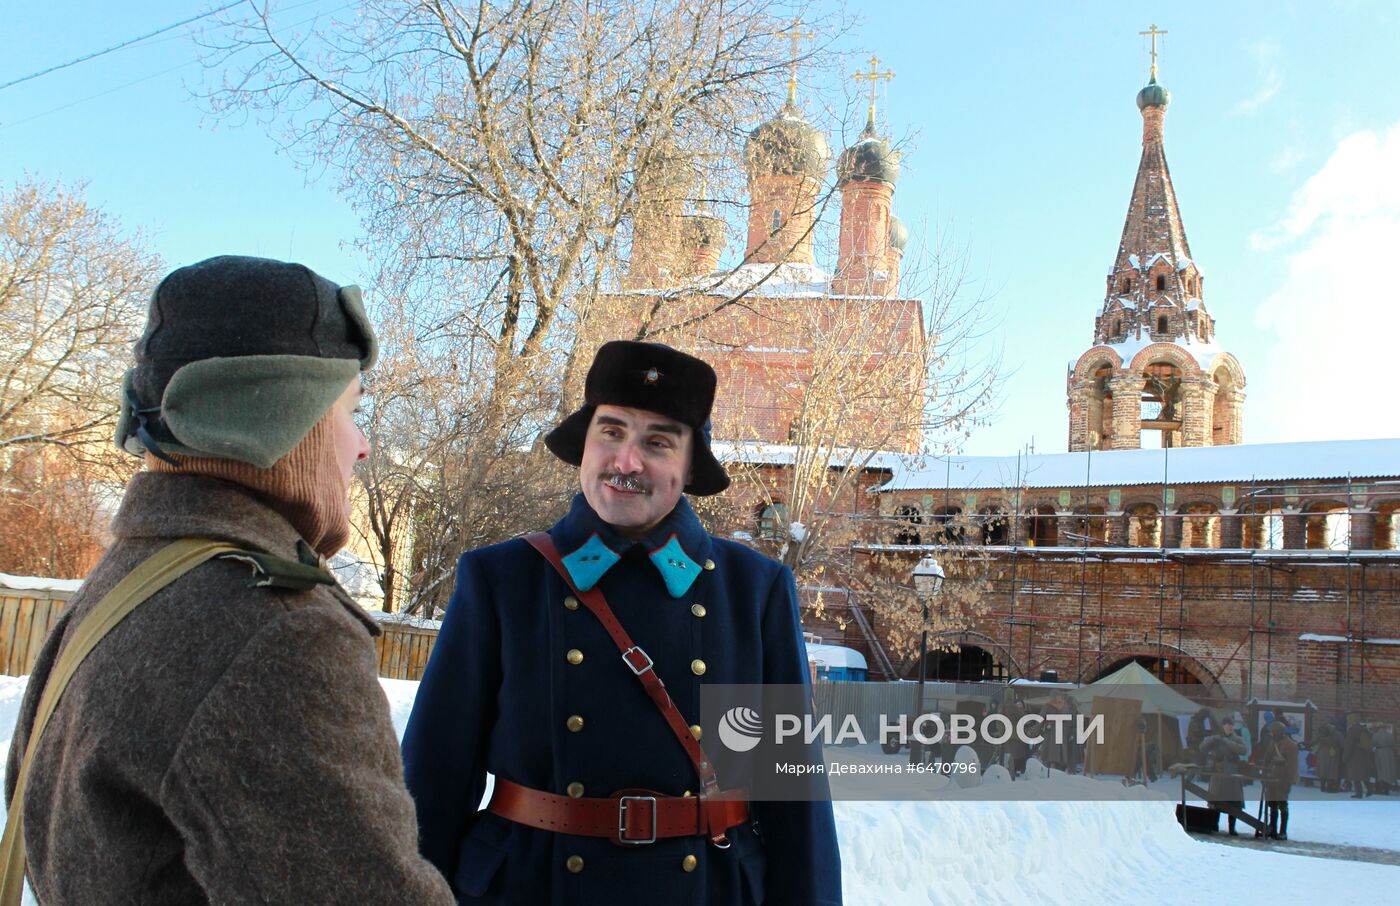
(928,582)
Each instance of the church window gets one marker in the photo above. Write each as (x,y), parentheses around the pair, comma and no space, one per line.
(1118,327)
(777,221)
(1161,283)
(772,522)
(1162,324)
(1127,284)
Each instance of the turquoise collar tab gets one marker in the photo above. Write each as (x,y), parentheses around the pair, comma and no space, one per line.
(588,564)
(678,571)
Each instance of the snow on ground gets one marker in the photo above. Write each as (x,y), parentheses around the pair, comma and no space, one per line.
(973,849)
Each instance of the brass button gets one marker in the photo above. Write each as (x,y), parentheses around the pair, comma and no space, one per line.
(709,564)
(571,602)
(574,723)
(574,864)
(575,656)
(697,667)
(575,790)
(696,730)
(698,609)
(689,863)
(687,794)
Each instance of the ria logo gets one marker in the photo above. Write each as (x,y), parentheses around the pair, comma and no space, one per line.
(740,729)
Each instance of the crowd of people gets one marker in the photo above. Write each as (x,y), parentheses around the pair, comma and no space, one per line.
(1347,754)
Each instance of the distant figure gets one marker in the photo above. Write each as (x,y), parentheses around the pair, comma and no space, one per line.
(1278,756)
(1329,758)
(1384,741)
(1358,758)
(1225,751)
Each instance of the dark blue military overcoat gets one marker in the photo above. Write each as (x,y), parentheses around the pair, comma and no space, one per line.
(525,684)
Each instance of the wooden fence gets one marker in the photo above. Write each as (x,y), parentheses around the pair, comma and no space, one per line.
(25,620)
(27,616)
(403,650)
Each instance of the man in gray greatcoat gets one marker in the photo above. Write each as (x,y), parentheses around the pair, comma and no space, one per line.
(1225,750)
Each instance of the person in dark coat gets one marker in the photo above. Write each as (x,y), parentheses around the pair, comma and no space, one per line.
(524,682)
(1197,729)
(1329,758)
(1225,751)
(1358,758)
(1278,758)
(228,741)
(1017,749)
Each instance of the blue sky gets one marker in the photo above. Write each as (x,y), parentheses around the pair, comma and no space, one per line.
(1021,138)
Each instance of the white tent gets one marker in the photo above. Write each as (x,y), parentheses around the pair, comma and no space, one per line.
(1135,682)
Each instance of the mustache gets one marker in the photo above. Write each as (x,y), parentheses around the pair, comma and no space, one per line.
(626,482)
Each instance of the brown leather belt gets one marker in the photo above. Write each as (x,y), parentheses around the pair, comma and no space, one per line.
(628,817)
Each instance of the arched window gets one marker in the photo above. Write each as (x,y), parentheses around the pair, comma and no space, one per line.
(772,522)
(908,532)
(1127,284)
(1161,283)
(1118,327)
(777,223)
(1162,324)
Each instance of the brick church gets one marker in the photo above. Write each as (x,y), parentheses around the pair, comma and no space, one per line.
(1160,537)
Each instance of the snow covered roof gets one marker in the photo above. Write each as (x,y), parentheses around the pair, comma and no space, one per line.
(1204,353)
(787,280)
(1314,637)
(1305,460)
(836,656)
(35,583)
(758,454)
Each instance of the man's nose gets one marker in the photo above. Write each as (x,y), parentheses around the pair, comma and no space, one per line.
(629,459)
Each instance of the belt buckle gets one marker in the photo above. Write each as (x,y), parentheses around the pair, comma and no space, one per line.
(641,657)
(622,820)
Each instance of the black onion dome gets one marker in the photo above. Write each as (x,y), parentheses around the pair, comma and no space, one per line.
(899,233)
(870,158)
(787,145)
(1153,95)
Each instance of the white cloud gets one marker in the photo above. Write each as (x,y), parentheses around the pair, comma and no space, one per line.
(1266,61)
(1331,373)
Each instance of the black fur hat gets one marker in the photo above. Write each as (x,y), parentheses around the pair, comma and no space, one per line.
(656,378)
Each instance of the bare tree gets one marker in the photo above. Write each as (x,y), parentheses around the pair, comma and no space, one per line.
(498,152)
(73,292)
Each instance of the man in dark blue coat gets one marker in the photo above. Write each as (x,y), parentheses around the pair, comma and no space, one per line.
(527,684)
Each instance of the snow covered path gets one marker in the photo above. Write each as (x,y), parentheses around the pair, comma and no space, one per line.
(1049,852)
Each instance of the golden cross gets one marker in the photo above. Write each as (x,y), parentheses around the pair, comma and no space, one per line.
(873,77)
(794,36)
(1154,32)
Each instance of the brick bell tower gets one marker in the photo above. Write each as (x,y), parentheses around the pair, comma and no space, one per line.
(1156,374)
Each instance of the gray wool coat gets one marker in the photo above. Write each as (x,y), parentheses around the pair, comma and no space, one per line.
(224,744)
(1226,754)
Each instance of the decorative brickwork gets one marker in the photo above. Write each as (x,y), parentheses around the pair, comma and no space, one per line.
(1155,364)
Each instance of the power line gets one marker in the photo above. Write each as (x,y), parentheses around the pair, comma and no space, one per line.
(115,47)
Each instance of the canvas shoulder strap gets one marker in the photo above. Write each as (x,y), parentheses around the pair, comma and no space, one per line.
(639,662)
(159,570)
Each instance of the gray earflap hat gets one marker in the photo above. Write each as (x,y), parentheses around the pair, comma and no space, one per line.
(241,357)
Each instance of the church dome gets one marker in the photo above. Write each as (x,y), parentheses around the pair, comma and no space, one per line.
(870,158)
(899,233)
(787,145)
(1153,95)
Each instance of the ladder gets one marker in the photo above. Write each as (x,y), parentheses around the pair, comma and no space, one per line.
(877,650)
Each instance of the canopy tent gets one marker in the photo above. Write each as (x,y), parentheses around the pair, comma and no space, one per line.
(1135,682)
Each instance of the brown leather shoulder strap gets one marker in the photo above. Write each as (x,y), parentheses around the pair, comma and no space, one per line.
(639,662)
